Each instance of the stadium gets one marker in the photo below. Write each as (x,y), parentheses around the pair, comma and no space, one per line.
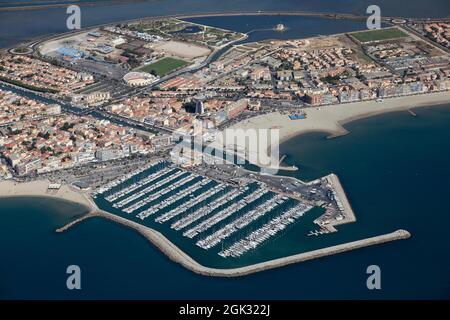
(139,79)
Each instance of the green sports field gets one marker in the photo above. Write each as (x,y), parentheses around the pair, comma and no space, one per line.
(377,35)
(164,66)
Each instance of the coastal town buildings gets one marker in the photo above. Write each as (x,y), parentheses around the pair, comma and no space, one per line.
(15,108)
(40,75)
(436,31)
(245,79)
(37,138)
(120,99)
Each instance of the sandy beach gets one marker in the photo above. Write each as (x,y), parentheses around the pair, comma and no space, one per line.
(332,118)
(39,188)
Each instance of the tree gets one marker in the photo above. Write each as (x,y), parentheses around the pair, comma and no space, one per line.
(66,126)
(189,106)
(44,135)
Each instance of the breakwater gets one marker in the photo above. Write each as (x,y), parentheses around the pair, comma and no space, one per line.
(76,221)
(177,255)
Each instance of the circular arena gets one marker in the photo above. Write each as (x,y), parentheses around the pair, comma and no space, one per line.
(138,79)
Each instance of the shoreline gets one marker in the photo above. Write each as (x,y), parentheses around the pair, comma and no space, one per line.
(39,188)
(331,119)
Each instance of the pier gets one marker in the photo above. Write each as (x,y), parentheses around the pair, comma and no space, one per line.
(76,221)
(283,167)
(343,204)
(241,219)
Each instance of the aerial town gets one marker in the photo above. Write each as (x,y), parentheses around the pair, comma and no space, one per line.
(83,103)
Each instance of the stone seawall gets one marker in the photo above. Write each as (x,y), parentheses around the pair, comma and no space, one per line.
(177,255)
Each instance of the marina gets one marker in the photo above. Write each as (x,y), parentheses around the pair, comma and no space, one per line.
(135,186)
(268,230)
(120,180)
(239,223)
(147,190)
(201,212)
(177,197)
(189,205)
(163,191)
(207,213)
(225,213)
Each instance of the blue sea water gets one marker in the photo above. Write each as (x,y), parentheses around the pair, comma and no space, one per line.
(291,241)
(415,8)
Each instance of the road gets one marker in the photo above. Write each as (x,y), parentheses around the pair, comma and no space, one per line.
(409,29)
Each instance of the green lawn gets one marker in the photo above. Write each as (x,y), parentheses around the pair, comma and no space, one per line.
(164,66)
(377,35)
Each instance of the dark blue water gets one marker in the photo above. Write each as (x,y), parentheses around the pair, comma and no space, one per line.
(291,241)
(22,25)
(394,169)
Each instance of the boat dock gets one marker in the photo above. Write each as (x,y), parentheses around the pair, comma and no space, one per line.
(202,209)
(345,211)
